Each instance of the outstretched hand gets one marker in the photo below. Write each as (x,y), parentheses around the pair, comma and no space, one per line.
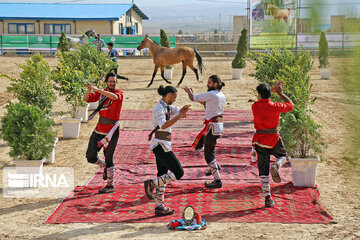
(187,89)
(184,110)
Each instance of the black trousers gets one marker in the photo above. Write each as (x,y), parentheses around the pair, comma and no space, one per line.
(209,143)
(263,156)
(118,76)
(93,149)
(166,161)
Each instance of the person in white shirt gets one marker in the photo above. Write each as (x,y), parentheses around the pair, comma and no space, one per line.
(214,102)
(164,115)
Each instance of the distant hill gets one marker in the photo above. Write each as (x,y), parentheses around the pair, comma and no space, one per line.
(194,18)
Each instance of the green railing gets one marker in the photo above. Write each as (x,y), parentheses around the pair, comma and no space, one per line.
(28,43)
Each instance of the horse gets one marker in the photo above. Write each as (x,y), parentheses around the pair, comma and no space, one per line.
(163,56)
(279,13)
(81,40)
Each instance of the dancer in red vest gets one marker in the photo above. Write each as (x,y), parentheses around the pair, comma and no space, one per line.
(169,169)
(110,104)
(214,102)
(267,140)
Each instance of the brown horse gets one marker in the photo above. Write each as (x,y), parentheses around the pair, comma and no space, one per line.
(163,56)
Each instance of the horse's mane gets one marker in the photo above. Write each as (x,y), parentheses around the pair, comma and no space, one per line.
(153,41)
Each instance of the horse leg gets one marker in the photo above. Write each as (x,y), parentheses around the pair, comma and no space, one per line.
(162,75)
(183,73)
(153,76)
(191,66)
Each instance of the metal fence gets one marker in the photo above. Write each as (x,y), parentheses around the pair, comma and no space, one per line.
(206,42)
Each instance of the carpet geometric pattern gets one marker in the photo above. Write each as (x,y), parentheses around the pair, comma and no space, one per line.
(239,200)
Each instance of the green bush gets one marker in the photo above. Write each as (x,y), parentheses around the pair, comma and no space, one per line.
(28,131)
(64,45)
(323,51)
(164,41)
(242,48)
(299,132)
(77,68)
(293,69)
(34,86)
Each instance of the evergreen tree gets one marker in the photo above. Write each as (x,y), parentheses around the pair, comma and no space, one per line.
(323,51)
(63,43)
(242,49)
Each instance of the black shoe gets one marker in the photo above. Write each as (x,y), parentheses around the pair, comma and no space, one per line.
(208,171)
(163,211)
(275,174)
(149,188)
(214,184)
(269,202)
(105,174)
(107,189)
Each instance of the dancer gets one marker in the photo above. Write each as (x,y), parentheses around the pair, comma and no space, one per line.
(214,101)
(164,115)
(267,140)
(106,132)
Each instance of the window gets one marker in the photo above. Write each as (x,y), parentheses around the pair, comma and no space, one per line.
(121,28)
(21,28)
(57,28)
(136,28)
(128,16)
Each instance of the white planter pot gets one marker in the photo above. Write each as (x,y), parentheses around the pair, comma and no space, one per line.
(51,159)
(82,112)
(29,166)
(325,73)
(93,105)
(304,171)
(168,73)
(71,127)
(237,73)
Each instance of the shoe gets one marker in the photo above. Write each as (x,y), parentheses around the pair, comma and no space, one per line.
(105,174)
(214,184)
(107,189)
(149,188)
(208,171)
(275,173)
(163,211)
(269,202)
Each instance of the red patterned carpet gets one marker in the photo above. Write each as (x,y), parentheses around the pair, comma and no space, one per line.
(240,199)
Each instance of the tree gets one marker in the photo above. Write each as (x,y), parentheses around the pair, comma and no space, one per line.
(164,41)
(63,43)
(323,51)
(34,86)
(242,48)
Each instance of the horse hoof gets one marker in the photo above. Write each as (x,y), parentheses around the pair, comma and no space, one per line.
(148,85)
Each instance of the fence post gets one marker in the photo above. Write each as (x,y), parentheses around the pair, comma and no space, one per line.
(2,51)
(50,45)
(195,42)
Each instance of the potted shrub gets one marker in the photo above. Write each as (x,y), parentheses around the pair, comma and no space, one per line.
(298,130)
(325,71)
(239,62)
(28,131)
(34,87)
(77,68)
(164,41)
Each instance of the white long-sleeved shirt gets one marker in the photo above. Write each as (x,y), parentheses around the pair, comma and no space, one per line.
(158,119)
(214,105)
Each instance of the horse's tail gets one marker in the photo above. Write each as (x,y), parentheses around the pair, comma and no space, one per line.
(199,60)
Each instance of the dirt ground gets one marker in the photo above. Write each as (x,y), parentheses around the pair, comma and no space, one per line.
(338,181)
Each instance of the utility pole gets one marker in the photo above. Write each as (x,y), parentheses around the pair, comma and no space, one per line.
(219,22)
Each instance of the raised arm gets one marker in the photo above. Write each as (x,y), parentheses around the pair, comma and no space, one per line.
(190,92)
(279,88)
(172,121)
(108,94)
